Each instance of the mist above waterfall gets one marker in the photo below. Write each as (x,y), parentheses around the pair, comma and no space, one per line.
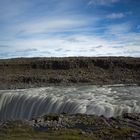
(100,100)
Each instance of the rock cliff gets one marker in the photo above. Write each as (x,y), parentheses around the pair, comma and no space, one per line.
(35,72)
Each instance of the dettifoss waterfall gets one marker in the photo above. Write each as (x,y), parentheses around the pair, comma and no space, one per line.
(100,100)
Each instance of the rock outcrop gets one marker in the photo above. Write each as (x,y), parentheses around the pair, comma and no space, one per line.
(125,127)
(36,72)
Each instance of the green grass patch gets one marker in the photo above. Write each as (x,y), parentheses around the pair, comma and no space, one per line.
(24,132)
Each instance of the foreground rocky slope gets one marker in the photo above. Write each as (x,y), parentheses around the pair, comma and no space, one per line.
(34,72)
(73,127)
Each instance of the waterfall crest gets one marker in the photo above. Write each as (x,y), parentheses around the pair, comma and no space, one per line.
(106,100)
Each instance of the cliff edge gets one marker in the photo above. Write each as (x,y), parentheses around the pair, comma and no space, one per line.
(36,72)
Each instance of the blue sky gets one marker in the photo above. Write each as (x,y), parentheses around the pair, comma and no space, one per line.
(59,28)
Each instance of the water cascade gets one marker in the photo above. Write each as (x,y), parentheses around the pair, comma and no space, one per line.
(100,100)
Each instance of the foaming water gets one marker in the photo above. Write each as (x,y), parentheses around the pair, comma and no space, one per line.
(100,100)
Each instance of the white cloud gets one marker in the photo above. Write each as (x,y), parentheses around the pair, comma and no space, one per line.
(102,2)
(118,15)
(64,31)
(115,15)
(85,45)
(50,25)
(118,29)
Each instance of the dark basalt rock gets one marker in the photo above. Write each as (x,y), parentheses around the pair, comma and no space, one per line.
(36,72)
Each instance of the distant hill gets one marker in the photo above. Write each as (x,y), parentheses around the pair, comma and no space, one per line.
(36,72)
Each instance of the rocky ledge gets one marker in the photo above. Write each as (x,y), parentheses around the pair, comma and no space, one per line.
(36,72)
(71,127)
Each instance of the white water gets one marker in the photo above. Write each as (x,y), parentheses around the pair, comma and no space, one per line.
(104,100)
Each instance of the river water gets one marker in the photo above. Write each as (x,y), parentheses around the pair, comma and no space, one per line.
(108,100)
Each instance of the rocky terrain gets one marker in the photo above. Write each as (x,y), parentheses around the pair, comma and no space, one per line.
(73,127)
(36,72)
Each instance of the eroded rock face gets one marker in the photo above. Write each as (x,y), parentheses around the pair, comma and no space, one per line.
(35,72)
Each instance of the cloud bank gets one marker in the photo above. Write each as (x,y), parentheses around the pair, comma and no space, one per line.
(69,28)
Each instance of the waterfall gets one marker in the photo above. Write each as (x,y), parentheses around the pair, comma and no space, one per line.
(106,100)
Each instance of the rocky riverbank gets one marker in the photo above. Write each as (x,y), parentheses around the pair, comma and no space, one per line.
(37,72)
(74,127)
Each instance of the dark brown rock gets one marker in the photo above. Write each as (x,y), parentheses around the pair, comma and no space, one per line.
(36,72)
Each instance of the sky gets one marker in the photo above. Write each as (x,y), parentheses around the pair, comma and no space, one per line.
(62,28)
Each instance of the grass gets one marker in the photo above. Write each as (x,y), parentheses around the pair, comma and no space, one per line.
(18,131)
(68,134)
(27,133)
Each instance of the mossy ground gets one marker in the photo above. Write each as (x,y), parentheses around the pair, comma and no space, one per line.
(18,131)
(68,134)
(22,131)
